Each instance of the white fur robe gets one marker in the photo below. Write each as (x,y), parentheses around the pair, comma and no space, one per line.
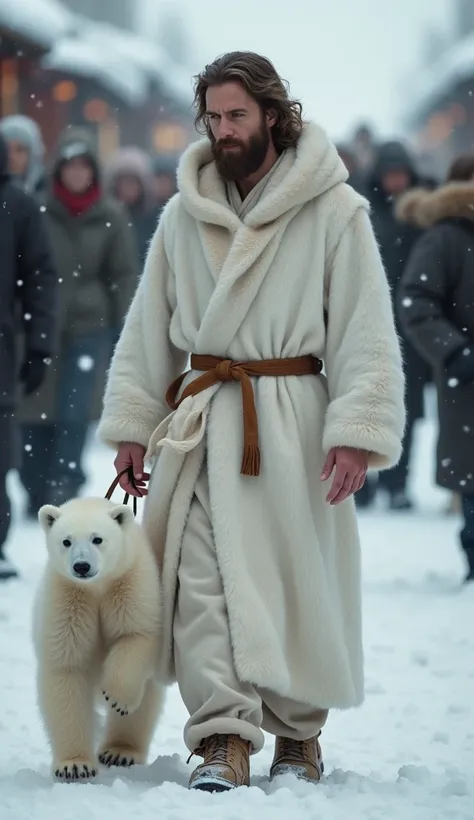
(259,289)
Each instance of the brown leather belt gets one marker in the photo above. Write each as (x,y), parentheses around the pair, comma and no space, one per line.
(217,370)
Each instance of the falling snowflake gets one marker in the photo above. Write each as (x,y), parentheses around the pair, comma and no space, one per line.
(424,277)
(44,416)
(43,209)
(28,448)
(27,317)
(75,273)
(72,465)
(108,224)
(466,429)
(47,361)
(19,282)
(466,351)
(85,363)
(407,302)
(446,462)
(453,382)
(463,482)
(60,281)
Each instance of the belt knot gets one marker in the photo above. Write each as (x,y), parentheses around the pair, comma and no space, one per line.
(224,370)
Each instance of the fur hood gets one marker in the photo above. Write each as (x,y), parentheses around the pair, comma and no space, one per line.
(131,161)
(315,167)
(424,208)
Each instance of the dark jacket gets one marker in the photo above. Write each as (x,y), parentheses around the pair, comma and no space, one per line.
(436,309)
(97,268)
(143,214)
(396,238)
(28,282)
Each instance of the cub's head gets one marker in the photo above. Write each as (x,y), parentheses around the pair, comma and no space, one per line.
(88,539)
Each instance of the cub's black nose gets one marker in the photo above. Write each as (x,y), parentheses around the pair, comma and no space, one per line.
(81,568)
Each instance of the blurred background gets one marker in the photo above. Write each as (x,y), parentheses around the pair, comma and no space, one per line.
(123,67)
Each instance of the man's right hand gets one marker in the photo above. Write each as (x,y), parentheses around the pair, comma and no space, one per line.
(132,455)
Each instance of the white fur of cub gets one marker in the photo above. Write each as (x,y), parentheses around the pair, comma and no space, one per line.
(97,632)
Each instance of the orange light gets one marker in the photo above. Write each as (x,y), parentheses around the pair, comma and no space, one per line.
(169,137)
(64,91)
(8,86)
(96,110)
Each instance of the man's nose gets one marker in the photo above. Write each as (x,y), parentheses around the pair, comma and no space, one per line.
(226,130)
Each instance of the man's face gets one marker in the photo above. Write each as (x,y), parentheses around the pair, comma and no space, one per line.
(239,131)
(18,158)
(396,182)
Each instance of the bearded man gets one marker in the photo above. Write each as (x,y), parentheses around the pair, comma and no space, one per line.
(264,269)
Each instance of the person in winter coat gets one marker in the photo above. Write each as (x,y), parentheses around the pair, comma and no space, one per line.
(392,175)
(25,152)
(96,261)
(356,178)
(27,279)
(129,178)
(263,266)
(436,310)
(164,179)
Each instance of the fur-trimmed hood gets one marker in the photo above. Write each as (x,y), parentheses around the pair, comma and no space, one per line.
(315,168)
(424,208)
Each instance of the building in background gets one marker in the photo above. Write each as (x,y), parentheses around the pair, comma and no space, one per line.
(120,13)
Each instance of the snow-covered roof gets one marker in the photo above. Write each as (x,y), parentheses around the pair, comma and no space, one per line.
(96,59)
(142,53)
(41,21)
(456,65)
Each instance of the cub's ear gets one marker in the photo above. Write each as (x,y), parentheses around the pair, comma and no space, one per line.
(122,514)
(47,515)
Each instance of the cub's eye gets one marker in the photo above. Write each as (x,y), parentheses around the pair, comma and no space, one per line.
(97,541)
(67,543)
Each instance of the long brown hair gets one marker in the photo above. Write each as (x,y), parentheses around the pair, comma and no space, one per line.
(261,80)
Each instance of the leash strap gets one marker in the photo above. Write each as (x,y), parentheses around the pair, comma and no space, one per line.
(128,471)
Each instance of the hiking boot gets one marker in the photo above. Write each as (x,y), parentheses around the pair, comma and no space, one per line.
(302,758)
(226,764)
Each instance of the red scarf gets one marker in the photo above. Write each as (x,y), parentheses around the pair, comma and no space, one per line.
(76,204)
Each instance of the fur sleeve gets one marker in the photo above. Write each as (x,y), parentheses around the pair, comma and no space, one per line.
(363,360)
(145,360)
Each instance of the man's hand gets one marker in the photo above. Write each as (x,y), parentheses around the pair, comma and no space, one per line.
(351,470)
(132,455)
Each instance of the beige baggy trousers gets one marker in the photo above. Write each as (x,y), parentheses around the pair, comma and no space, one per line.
(217,702)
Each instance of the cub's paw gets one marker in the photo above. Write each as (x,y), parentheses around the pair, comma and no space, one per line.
(121,709)
(120,756)
(75,770)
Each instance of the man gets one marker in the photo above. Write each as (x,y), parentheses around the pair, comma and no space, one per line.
(28,283)
(392,175)
(263,265)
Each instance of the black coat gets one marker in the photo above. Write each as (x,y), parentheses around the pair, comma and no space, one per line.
(28,282)
(396,239)
(436,309)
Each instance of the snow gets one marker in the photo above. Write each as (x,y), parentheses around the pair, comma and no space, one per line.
(42,21)
(407,753)
(97,60)
(432,84)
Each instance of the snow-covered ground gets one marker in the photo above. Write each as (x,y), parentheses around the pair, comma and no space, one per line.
(408,753)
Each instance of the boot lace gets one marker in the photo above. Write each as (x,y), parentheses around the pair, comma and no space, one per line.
(293,749)
(214,747)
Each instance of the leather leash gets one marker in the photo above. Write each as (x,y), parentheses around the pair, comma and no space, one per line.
(128,471)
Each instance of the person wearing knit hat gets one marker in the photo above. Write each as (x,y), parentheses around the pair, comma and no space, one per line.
(25,151)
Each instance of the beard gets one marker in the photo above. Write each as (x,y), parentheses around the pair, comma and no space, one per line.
(245,158)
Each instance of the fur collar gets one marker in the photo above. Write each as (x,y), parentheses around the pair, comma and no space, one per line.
(314,167)
(424,208)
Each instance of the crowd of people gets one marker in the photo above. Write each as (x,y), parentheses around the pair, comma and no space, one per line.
(425,231)
(73,238)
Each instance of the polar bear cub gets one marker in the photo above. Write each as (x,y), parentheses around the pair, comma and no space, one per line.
(97,632)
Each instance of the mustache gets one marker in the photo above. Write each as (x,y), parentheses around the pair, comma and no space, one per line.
(229,143)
